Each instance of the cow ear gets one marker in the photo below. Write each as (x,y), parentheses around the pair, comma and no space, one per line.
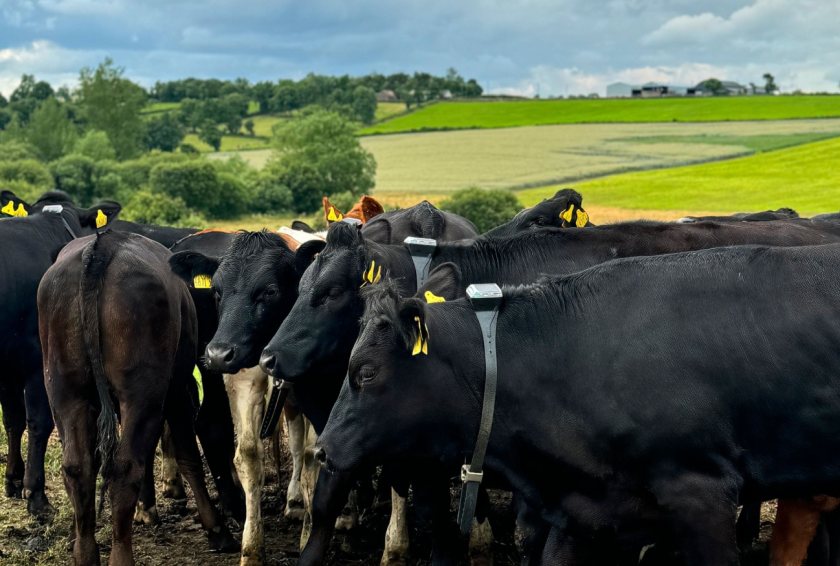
(306,253)
(572,214)
(11,205)
(331,213)
(444,284)
(412,326)
(99,215)
(302,226)
(378,230)
(195,268)
(370,208)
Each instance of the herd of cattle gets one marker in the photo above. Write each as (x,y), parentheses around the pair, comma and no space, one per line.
(652,377)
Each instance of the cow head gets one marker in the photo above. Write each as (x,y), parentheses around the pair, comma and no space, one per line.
(563,210)
(322,324)
(406,395)
(364,210)
(254,283)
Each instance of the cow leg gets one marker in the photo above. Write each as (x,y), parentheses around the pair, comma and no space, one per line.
(703,510)
(215,432)
(246,392)
(14,421)
(39,422)
(531,532)
(189,462)
(297,434)
(329,495)
(141,424)
(146,512)
(173,485)
(396,537)
(431,496)
(78,464)
(309,477)
(749,523)
(481,535)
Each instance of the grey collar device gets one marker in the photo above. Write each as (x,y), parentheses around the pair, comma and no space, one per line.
(59,209)
(421,250)
(485,299)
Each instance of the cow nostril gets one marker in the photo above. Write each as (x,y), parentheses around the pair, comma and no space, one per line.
(229,355)
(321,455)
(267,362)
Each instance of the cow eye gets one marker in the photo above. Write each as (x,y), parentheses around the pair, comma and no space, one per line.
(366,374)
(336,292)
(270,292)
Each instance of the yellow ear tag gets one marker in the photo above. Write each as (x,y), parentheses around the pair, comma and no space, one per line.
(8,209)
(372,275)
(568,213)
(202,281)
(101,218)
(432,298)
(333,216)
(582,219)
(422,344)
(20,212)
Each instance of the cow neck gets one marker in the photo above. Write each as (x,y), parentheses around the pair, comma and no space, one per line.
(60,214)
(485,299)
(396,261)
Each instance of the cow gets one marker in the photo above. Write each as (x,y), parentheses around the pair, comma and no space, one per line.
(30,245)
(626,429)
(118,330)
(363,211)
(423,220)
(563,210)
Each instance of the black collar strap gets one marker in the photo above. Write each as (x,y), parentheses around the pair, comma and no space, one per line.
(279,391)
(485,299)
(421,250)
(59,209)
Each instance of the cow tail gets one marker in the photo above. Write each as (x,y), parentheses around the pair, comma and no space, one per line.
(95,259)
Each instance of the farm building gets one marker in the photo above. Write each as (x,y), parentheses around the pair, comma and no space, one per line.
(647,90)
(386,96)
(730,87)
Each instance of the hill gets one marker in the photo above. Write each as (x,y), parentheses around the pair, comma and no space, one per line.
(505,114)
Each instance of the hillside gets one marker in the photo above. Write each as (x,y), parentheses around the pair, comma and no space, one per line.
(506,114)
(805,178)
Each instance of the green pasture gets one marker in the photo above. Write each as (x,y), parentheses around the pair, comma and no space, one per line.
(505,114)
(806,178)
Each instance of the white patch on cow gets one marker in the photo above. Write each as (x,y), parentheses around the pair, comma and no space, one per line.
(246,393)
(396,537)
(294,496)
(300,236)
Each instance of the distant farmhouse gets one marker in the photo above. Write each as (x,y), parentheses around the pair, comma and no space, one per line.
(656,90)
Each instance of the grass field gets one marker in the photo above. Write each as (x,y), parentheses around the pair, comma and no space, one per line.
(486,114)
(806,178)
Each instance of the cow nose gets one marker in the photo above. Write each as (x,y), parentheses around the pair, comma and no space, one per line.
(321,455)
(220,355)
(268,361)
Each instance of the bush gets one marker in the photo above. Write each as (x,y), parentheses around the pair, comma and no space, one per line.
(14,150)
(486,208)
(306,187)
(96,145)
(86,180)
(135,173)
(198,184)
(270,195)
(155,208)
(27,172)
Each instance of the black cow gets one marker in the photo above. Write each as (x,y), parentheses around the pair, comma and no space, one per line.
(645,395)
(29,246)
(563,210)
(134,357)
(422,220)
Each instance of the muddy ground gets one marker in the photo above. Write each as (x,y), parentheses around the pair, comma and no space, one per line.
(179,539)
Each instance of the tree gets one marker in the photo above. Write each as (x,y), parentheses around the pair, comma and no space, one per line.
(112,104)
(96,145)
(486,208)
(211,135)
(50,130)
(164,133)
(325,143)
(249,126)
(262,92)
(3,101)
(714,86)
(364,104)
(769,83)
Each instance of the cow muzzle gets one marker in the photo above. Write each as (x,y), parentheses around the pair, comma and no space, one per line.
(219,356)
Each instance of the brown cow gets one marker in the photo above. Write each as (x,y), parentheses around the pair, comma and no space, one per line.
(118,331)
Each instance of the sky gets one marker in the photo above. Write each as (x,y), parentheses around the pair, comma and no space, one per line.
(525,47)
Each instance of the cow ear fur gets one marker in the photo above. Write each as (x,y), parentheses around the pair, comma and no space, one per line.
(411,312)
(306,253)
(188,265)
(444,284)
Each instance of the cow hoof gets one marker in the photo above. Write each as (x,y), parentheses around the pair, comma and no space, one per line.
(346,522)
(14,488)
(252,557)
(174,489)
(394,558)
(39,506)
(145,516)
(222,541)
(294,510)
